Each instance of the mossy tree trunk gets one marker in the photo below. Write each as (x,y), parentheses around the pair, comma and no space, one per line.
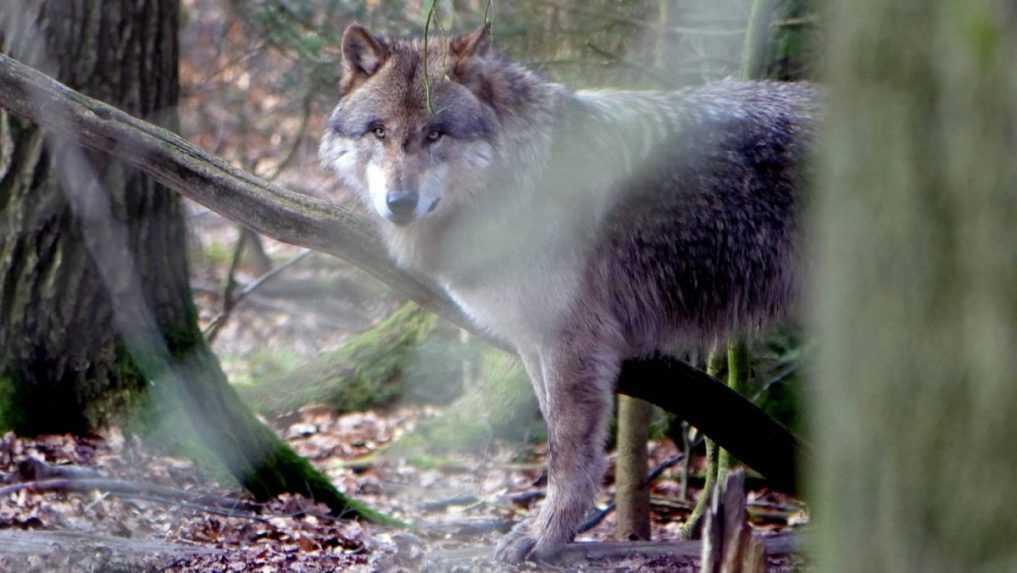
(60,353)
(410,356)
(94,283)
(915,294)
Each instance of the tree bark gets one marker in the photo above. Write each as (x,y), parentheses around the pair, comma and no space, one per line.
(298,219)
(915,295)
(94,281)
(738,372)
(632,495)
(59,351)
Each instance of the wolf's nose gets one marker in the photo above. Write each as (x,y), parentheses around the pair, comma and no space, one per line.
(402,204)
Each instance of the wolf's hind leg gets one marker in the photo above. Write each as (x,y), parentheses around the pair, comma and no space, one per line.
(578,379)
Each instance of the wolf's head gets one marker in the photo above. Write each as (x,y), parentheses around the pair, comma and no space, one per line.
(409,160)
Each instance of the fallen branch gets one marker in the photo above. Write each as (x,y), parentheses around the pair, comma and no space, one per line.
(599,515)
(724,415)
(440,504)
(123,488)
(735,423)
(582,552)
(465,527)
(41,542)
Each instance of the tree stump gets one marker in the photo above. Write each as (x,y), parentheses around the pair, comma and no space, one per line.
(728,544)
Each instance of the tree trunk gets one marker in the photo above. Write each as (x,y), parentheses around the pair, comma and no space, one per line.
(94,284)
(632,495)
(62,359)
(915,295)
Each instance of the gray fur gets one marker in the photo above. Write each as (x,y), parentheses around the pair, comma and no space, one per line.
(599,226)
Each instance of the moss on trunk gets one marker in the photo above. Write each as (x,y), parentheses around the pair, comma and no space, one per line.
(500,405)
(411,355)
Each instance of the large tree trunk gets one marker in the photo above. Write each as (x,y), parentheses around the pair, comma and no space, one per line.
(59,350)
(94,284)
(916,292)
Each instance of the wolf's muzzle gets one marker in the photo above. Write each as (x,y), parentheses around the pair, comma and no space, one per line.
(402,205)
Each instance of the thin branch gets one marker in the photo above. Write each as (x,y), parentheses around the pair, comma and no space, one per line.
(305,121)
(215,326)
(599,515)
(427,41)
(247,237)
(487,12)
(229,302)
(796,22)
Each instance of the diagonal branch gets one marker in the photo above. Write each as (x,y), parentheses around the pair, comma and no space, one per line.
(236,194)
(734,422)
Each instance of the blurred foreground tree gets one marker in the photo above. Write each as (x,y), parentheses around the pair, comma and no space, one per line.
(915,296)
(94,284)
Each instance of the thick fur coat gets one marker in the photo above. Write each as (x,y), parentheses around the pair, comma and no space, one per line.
(583,228)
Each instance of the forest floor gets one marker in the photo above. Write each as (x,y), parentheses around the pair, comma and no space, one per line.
(140,511)
(146,511)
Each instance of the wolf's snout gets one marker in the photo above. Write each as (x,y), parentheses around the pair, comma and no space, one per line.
(402,205)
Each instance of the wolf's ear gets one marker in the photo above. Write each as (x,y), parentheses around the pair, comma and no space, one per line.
(476,43)
(363,55)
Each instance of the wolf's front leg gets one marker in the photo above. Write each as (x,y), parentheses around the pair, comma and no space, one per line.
(578,382)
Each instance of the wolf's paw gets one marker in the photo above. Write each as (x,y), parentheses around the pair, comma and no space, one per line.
(516,545)
(522,544)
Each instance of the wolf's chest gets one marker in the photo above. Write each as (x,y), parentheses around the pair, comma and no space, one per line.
(521,305)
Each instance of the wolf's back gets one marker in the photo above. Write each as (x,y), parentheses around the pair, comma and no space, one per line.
(702,236)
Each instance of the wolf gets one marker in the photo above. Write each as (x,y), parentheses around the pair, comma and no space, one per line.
(580,227)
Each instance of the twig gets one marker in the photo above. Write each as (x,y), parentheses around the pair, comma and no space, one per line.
(43,542)
(664,466)
(465,527)
(440,504)
(525,497)
(427,77)
(487,12)
(247,237)
(599,515)
(305,120)
(32,469)
(214,327)
(795,22)
(217,322)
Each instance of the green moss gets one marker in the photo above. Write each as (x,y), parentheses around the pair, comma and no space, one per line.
(284,466)
(408,356)
(984,37)
(500,405)
(11,412)
(218,254)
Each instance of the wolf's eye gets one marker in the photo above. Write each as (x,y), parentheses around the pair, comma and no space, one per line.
(379,132)
(434,135)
